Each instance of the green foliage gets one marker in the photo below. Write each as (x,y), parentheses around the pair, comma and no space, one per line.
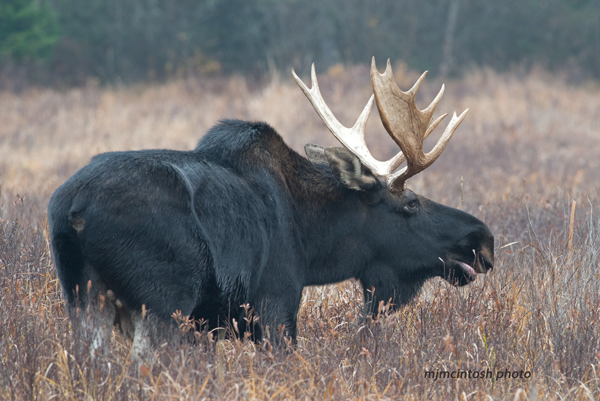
(133,40)
(556,34)
(28,29)
(129,40)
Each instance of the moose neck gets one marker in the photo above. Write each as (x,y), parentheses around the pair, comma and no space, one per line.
(332,221)
(342,243)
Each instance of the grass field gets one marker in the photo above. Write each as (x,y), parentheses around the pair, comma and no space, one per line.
(524,159)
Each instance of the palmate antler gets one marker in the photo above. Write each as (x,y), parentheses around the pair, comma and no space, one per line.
(405,123)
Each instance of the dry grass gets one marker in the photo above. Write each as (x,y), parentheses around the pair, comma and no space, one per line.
(526,150)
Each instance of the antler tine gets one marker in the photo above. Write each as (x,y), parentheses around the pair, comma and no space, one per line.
(408,125)
(431,109)
(446,136)
(352,138)
(434,125)
(415,88)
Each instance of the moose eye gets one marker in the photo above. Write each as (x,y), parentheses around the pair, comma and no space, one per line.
(412,206)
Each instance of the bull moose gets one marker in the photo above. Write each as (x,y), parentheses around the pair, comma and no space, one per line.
(245,220)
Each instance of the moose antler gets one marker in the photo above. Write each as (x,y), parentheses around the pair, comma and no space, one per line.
(405,123)
(352,138)
(408,125)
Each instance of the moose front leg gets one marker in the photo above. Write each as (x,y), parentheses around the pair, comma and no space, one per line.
(277,317)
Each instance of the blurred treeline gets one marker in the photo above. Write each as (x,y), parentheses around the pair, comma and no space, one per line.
(70,41)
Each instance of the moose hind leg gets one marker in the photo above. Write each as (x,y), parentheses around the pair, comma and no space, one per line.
(135,326)
(143,347)
(91,312)
(92,324)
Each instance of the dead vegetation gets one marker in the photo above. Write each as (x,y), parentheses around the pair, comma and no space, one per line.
(525,152)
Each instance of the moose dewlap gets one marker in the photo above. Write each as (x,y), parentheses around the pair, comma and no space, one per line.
(244,220)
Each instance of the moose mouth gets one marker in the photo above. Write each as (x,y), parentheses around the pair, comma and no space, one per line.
(462,273)
(468,271)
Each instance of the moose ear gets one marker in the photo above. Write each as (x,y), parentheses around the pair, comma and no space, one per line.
(316,154)
(348,169)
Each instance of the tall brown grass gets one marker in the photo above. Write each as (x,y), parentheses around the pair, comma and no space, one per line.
(526,150)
